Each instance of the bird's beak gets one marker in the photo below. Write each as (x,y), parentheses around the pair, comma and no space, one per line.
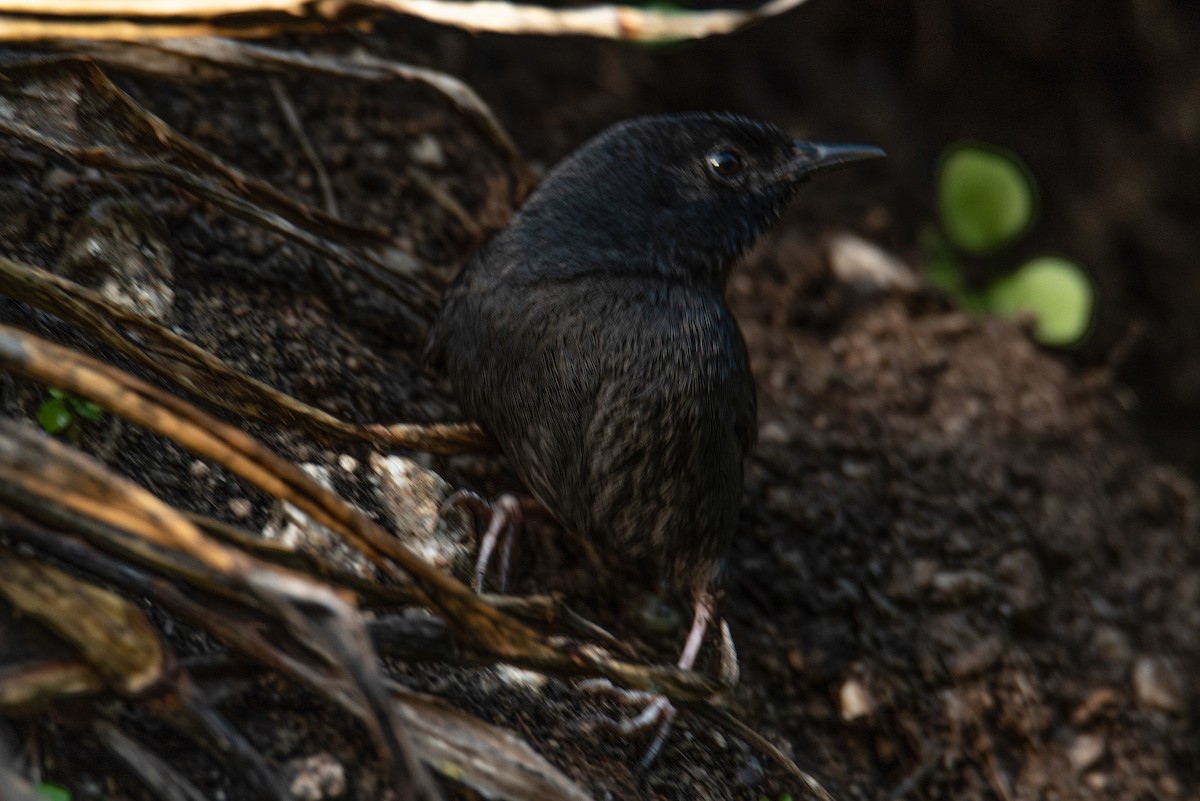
(813,157)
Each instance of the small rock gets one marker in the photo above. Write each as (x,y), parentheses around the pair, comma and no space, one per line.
(427,151)
(348,463)
(199,470)
(773,432)
(855,470)
(521,678)
(1085,750)
(316,777)
(413,497)
(240,508)
(956,586)
(854,700)
(1156,684)
(856,261)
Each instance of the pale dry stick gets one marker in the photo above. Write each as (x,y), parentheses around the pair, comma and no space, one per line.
(31,29)
(481,16)
(292,118)
(628,23)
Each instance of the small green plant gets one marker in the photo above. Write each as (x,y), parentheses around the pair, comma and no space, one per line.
(62,412)
(52,792)
(987,199)
(784,797)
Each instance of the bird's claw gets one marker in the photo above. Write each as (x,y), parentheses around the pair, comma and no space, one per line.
(605,688)
(658,713)
(504,516)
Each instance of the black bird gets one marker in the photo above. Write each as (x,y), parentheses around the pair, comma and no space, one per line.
(591,337)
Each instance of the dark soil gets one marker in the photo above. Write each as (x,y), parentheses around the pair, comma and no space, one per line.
(960,573)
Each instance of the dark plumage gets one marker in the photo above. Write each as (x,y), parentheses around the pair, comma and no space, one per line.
(592,339)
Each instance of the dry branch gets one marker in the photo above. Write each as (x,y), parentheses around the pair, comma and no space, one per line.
(112,635)
(269,17)
(330,650)
(470,618)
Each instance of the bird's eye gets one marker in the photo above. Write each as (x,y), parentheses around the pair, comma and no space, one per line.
(725,163)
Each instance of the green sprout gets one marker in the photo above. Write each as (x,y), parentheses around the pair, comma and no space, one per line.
(987,200)
(52,792)
(1055,290)
(62,412)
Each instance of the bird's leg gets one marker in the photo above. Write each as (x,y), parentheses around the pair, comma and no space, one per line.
(659,711)
(504,515)
(702,612)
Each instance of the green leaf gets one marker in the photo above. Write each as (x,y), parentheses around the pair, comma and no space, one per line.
(85,409)
(1057,291)
(56,393)
(986,198)
(52,792)
(54,416)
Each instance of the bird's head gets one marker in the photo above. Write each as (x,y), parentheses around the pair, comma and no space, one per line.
(682,195)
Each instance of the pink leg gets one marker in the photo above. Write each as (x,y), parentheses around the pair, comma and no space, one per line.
(702,612)
(505,516)
(659,711)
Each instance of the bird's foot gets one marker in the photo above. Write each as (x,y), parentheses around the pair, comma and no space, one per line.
(657,714)
(504,515)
